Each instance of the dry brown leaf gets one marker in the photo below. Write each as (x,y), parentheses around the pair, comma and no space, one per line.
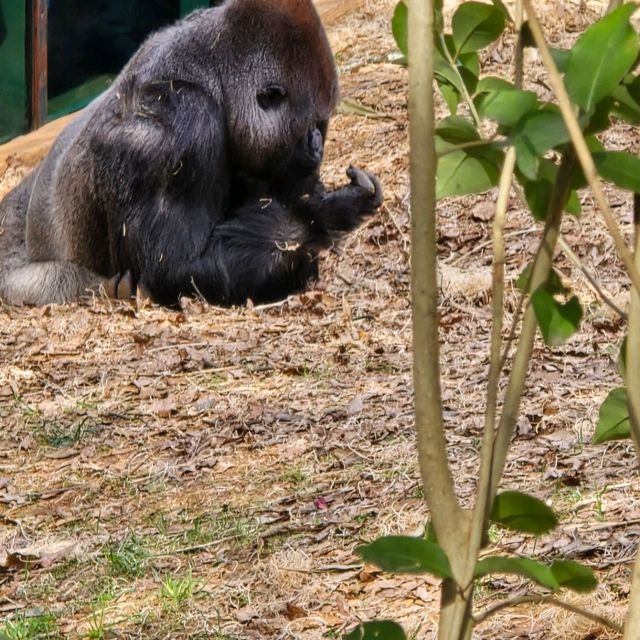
(62,454)
(294,612)
(356,405)
(35,555)
(246,614)
(164,408)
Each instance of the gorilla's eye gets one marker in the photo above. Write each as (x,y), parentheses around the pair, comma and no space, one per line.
(272,96)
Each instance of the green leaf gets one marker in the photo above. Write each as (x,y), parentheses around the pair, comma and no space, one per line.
(573,205)
(443,71)
(457,130)
(521,512)
(619,167)
(471,62)
(534,135)
(522,282)
(450,95)
(377,630)
(493,83)
(461,77)
(578,181)
(557,321)
(508,107)
(623,106)
(525,567)
(601,58)
(600,118)
(538,192)
(399,29)
(404,554)
(554,283)
(613,420)
(498,4)
(560,57)
(595,146)
(622,359)
(573,575)
(465,171)
(476,25)
(469,79)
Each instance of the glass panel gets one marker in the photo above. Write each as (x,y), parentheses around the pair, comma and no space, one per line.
(187,6)
(13,76)
(89,42)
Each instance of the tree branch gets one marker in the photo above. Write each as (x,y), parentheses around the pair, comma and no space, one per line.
(432,447)
(632,627)
(551,600)
(484,494)
(566,249)
(539,275)
(449,520)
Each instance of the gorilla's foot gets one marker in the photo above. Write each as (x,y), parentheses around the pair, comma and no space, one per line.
(40,283)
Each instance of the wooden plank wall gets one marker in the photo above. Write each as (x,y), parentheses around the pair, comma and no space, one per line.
(30,148)
(332,10)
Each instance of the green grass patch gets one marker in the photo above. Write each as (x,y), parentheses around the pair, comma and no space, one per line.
(23,627)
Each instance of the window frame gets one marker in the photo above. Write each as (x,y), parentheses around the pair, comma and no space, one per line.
(29,65)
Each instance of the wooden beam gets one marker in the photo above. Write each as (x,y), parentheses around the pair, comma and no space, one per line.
(332,10)
(38,64)
(29,149)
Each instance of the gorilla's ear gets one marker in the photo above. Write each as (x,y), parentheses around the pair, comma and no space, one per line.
(160,99)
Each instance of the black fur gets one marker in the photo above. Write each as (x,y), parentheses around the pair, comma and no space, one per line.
(196,173)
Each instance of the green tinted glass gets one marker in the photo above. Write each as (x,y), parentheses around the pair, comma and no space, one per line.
(89,42)
(13,77)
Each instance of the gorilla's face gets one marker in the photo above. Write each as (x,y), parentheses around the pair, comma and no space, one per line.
(276,126)
(279,91)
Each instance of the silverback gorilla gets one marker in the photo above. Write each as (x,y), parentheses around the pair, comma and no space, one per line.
(196,173)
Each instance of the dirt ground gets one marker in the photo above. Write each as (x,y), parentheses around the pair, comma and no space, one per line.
(208,473)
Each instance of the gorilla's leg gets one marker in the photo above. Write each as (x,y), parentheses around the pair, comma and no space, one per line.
(40,283)
(263,255)
(25,282)
(258,254)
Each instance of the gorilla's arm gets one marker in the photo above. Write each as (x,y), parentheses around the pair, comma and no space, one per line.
(266,250)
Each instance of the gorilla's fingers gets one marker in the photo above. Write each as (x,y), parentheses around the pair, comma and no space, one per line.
(368,182)
(360,178)
(110,286)
(126,287)
(377,190)
(120,287)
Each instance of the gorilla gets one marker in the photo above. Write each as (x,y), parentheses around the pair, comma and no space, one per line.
(195,173)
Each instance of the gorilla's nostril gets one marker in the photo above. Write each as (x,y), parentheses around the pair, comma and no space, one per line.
(315,142)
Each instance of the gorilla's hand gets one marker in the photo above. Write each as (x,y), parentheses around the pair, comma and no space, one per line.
(332,214)
(369,186)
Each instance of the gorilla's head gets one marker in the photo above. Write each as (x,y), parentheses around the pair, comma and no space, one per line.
(280,85)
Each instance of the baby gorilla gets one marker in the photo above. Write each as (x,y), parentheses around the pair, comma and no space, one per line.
(196,173)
